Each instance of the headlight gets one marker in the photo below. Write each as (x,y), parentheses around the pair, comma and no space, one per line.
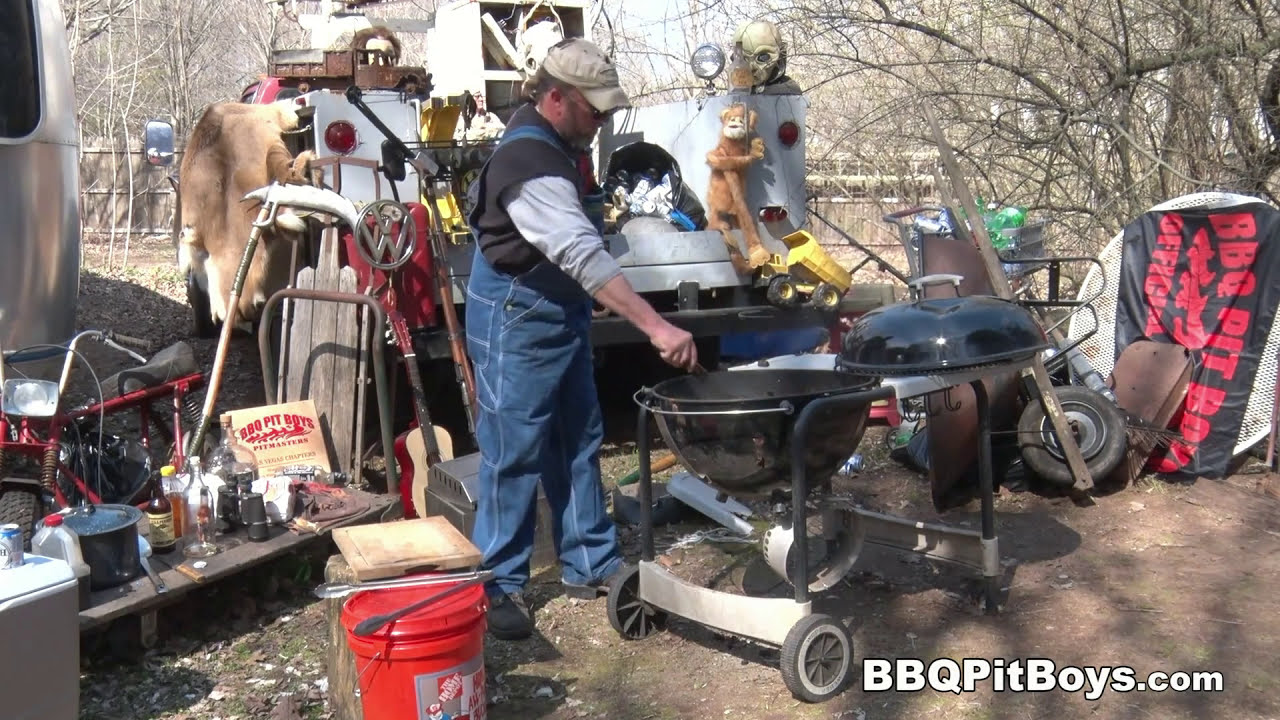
(30,398)
(707,61)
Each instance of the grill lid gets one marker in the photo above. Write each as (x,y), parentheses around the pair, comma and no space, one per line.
(941,335)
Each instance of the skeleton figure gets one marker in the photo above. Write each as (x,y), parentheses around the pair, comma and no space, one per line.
(759,44)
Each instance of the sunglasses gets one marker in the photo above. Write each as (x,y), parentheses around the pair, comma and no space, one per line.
(596,115)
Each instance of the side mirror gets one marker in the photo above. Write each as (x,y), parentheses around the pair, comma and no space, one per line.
(159,143)
(393,161)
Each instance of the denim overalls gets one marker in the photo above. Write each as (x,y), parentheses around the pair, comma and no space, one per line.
(538,418)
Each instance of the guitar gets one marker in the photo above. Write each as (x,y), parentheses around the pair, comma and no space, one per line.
(411,456)
(417,451)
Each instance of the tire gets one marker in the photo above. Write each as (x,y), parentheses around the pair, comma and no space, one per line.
(633,618)
(782,291)
(825,296)
(198,298)
(817,658)
(22,506)
(1100,432)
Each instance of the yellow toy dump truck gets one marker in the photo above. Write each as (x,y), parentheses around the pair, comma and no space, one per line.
(806,271)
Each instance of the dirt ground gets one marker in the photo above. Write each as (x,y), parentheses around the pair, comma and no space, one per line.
(1160,576)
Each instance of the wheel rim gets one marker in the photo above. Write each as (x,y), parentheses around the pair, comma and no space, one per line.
(1087,427)
(633,613)
(824,660)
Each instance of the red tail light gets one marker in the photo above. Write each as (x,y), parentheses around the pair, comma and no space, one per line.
(788,133)
(340,137)
(773,214)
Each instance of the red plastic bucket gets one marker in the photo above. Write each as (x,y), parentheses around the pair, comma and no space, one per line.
(428,665)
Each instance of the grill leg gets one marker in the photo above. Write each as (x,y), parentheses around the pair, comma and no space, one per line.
(986,486)
(644,491)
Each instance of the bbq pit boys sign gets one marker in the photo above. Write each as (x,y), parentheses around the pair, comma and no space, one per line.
(1203,278)
(281,435)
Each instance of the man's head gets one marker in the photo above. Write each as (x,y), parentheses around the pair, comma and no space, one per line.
(576,89)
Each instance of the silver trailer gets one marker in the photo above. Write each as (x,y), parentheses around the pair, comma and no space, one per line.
(39,178)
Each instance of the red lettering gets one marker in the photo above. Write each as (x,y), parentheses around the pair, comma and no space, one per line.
(1237,283)
(1234,321)
(1237,255)
(1198,257)
(1235,225)
(1225,364)
(1167,258)
(1195,428)
(1178,457)
(1189,332)
(1157,288)
(1160,269)
(1171,223)
(1203,400)
(1227,343)
(1154,326)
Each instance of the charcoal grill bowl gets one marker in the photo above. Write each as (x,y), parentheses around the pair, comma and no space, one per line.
(734,429)
(941,335)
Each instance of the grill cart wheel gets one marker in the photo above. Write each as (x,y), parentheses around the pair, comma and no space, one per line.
(782,291)
(817,658)
(633,618)
(1098,425)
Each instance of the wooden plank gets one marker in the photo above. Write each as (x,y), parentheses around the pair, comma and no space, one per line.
(324,328)
(340,660)
(407,546)
(299,340)
(496,42)
(238,554)
(346,351)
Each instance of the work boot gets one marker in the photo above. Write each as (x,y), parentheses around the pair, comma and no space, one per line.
(509,618)
(593,590)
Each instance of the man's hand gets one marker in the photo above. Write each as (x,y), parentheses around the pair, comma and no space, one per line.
(675,346)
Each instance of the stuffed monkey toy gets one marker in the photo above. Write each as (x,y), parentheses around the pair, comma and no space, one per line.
(727,192)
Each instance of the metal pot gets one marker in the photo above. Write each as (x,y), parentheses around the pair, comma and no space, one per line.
(940,335)
(735,428)
(108,541)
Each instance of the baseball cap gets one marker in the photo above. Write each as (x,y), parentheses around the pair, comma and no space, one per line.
(582,64)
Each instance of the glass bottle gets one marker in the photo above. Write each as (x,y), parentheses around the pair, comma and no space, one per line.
(160,518)
(191,499)
(230,457)
(203,545)
(174,490)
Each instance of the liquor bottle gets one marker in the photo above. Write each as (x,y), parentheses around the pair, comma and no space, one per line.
(230,457)
(174,490)
(160,517)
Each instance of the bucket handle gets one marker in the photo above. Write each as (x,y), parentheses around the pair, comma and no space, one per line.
(364,670)
(371,625)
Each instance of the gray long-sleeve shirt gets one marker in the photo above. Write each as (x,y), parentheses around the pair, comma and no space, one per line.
(548,213)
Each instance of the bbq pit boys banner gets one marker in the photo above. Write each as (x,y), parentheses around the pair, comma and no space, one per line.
(1203,278)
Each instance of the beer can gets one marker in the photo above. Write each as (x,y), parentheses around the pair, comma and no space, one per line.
(10,546)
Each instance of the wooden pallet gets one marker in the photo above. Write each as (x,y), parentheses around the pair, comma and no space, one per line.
(238,554)
(321,354)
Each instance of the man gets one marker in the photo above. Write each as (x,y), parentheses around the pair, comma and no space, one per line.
(540,260)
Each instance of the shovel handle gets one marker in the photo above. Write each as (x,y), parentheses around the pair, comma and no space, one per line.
(373,624)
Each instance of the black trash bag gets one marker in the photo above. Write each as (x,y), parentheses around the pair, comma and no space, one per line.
(637,159)
(117,470)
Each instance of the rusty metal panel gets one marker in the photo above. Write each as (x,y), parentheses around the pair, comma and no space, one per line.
(952,417)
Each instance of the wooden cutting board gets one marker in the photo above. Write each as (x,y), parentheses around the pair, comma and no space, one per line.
(393,549)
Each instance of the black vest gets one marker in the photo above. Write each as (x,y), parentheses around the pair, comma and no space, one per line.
(516,160)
